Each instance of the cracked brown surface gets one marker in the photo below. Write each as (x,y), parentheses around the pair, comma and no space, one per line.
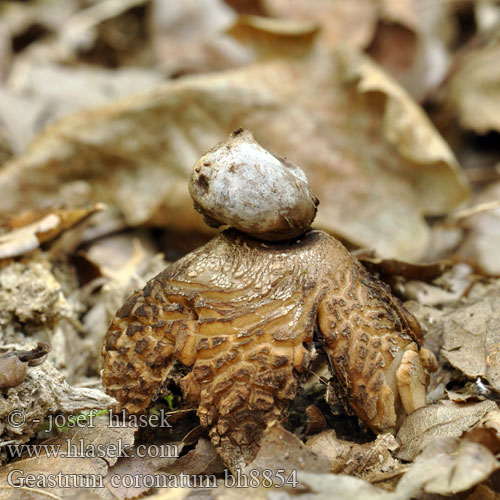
(242,314)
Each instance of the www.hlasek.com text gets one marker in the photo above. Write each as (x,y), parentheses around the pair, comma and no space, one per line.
(81,449)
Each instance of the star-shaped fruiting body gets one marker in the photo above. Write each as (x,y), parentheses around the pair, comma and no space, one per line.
(242,313)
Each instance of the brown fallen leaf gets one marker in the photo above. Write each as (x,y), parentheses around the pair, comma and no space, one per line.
(394,47)
(472,91)
(140,465)
(353,130)
(270,37)
(203,459)
(430,294)
(175,494)
(336,450)
(467,394)
(447,466)
(482,241)
(471,339)
(412,43)
(33,357)
(281,449)
(387,268)
(316,421)
(188,37)
(18,118)
(23,239)
(349,22)
(339,486)
(125,265)
(109,33)
(31,91)
(444,419)
(403,36)
(445,290)
(485,491)
(5,51)
(487,432)
(367,460)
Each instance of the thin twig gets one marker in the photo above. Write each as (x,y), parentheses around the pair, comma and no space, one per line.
(476,209)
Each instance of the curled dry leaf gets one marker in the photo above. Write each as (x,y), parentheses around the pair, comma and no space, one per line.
(482,241)
(316,421)
(339,486)
(471,339)
(349,22)
(403,36)
(446,290)
(270,37)
(444,419)
(183,493)
(363,460)
(188,37)
(467,394)
(25,238)
(136,465)
(203,459)
(411,43)
(427,294)
(125,265)
(394,47)
(33,357)
(369,152)
(473,92)
(17,131)
(391,268)
(447,466)
(487,432)
(32,93)
(281,449)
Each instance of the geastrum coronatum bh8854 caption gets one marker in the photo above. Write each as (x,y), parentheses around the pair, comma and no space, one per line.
(242,310)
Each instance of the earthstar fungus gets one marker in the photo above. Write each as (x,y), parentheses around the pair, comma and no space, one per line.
(242,312)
